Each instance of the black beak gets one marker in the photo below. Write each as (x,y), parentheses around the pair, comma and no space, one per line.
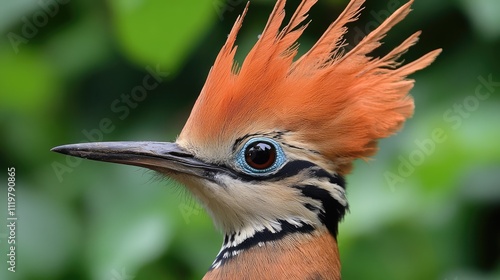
(159,156)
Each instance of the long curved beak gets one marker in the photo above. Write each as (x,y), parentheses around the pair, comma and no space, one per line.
(158,156)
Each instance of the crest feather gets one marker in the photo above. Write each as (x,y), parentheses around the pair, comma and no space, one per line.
(336,103)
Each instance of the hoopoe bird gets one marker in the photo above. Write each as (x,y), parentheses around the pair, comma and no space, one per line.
(268,143)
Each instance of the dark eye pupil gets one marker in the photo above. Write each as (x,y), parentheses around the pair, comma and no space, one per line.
(260,155)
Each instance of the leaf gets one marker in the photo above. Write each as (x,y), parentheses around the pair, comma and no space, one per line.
(28,82)
(153,32)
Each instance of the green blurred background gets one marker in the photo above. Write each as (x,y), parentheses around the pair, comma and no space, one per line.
(426,207)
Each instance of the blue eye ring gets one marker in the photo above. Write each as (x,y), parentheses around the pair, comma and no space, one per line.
(267,154)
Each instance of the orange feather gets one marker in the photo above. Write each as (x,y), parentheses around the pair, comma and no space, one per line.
(339,104)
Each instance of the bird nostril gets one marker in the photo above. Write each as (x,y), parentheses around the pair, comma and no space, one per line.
(180,154)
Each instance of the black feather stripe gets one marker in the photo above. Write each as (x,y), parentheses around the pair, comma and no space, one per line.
(262,236)
(332,212)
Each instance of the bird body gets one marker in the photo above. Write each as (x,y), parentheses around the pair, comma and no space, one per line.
(299,256)
(268,143)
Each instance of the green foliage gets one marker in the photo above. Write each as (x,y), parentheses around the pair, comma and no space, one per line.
(140,29)
(421,209)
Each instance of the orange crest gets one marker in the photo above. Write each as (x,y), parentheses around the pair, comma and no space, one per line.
(337,103)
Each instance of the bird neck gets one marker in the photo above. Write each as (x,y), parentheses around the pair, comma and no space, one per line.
(294,246)
(305,254)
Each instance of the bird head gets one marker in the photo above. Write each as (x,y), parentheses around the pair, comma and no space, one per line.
(268,142)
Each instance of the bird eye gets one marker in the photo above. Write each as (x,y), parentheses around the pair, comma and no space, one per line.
(260,156)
